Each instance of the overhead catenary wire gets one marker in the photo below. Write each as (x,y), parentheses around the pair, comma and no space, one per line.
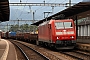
(20,13)
(45,8)
(54,2)
(35,10)
(15,15)
(42,6)
(22,10)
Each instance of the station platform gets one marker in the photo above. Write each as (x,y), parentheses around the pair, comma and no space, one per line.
(83,44)
(7,50)
(86,41)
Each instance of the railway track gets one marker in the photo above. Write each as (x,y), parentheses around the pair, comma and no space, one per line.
(78,54)
(45,52)
(60,55)
(29,53)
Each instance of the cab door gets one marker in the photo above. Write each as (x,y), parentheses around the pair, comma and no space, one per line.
(50,32)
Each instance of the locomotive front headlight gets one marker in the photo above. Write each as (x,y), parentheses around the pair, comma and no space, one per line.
(72,37)
(57,37)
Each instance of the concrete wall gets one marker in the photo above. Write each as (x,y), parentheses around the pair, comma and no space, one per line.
(84,30)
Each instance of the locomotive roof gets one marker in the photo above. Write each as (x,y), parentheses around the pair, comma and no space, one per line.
(80,9)
(4,10)
(46,22)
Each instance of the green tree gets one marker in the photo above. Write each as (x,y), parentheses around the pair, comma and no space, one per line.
(23,28)
(14,28)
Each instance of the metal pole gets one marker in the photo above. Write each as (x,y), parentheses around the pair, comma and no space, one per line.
(7,27)
(76,27)
(44,14)
(20,1)
(52,9)
(47,14)
(44,2)
(33,22)
(18,24)
(33,17)
(69,3)
(29,8)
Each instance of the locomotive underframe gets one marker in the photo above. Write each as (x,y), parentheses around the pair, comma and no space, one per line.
(60,44)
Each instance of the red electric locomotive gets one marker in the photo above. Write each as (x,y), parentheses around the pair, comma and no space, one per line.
(60,34)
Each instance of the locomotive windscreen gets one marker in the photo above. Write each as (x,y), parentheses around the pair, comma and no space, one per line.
(63,25)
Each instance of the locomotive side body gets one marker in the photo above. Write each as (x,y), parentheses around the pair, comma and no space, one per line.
(44,32)
(58,33)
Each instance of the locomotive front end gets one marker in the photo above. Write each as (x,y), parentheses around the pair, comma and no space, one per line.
(65,34)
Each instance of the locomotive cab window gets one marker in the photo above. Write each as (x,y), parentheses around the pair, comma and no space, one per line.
(68,24)
(59,25)
(62,25)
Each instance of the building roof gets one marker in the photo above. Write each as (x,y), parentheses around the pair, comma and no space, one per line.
(4,10)
(80,9)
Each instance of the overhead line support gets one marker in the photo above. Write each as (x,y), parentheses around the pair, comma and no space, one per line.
(23,20)
(39,4)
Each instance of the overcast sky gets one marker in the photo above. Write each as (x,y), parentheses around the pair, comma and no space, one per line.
(21,12)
